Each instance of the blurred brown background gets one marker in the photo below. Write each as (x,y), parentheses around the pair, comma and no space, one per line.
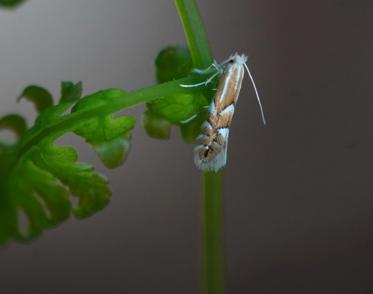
(298,192)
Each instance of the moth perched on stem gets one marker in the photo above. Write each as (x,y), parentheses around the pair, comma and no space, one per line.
(211,152)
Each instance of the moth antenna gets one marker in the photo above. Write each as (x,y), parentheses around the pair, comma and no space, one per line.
(256,92)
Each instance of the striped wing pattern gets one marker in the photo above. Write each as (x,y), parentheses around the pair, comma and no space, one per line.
(211,151)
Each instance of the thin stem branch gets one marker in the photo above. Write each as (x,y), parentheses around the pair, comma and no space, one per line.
(212,208)
(213,245)
(195,33)
(74,119)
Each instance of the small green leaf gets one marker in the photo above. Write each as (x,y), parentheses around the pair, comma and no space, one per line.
(179,108)
(83,182)
(38,177)
(183,109)
(105,128)
(41,98)
(114,152)
(173,63)
(10,3)
(14,122)
(71,92)
(98,99)
(109,136)
(156,126)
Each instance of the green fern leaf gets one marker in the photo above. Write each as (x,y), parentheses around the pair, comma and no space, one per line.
(38,177)
(41,98)
(15,123)
(10,3)
(156,126)
(188,111)
(109,136)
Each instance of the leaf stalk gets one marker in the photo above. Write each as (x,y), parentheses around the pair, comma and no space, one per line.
(212,206)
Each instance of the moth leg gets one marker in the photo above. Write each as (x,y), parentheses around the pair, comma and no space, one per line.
(207,69)
(219,70)
(189,119)
(205,83)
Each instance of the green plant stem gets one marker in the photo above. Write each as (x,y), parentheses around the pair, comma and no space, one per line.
(195,33)
(73,120)
(212,207)
(213,248)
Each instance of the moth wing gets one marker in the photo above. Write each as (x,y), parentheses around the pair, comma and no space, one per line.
(219,160)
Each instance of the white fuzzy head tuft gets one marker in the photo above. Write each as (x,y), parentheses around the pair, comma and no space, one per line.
(238,58)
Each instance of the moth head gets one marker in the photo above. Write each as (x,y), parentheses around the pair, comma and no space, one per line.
(238,58)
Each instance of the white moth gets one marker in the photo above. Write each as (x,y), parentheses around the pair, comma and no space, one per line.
(211,152)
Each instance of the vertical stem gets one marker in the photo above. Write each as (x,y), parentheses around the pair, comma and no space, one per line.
(212,208)
(195,33)
(213,249)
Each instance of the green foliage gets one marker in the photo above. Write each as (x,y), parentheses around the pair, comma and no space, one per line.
(109,136)
(190,130)
(188,110)
(10,3)
(70,91)
(173,63)
(156,126)
(14,122)
(38,177)
(41,98)
(177,109)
